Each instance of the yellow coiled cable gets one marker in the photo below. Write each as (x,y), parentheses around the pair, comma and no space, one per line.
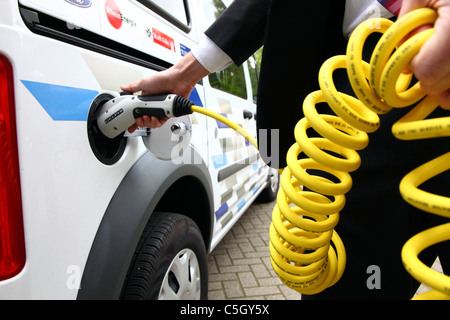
(303,221)
(306,252)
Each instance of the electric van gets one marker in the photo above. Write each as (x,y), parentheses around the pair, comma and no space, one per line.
(85,218)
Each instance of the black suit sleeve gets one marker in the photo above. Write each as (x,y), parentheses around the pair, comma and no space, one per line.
(300,36)
(240,30)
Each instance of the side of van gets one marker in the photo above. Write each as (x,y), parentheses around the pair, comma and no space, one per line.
(82,219)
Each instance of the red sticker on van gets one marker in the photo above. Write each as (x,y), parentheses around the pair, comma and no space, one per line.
(163,40)
(113,13)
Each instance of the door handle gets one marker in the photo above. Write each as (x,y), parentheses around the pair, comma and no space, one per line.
(248,114)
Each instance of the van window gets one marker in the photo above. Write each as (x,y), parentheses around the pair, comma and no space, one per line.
(231,80)
(174,11)
(253,69)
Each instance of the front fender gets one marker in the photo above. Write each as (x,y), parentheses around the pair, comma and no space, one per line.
(125,219)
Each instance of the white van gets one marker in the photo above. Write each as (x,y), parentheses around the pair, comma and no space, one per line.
(87,219)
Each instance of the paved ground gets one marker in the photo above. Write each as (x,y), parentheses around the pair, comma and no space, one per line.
(239,267)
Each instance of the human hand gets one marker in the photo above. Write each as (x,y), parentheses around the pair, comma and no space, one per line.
(432,64)
(161,82)
(179,79)
(150,85)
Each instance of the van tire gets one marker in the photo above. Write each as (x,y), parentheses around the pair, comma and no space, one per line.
(170,242)
(270,192)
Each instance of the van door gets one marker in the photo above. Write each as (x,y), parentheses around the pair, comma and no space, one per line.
(235,166)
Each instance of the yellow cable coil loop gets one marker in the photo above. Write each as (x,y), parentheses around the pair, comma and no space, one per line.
(306,252)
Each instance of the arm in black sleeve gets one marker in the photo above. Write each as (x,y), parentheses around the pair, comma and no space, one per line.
(239,31)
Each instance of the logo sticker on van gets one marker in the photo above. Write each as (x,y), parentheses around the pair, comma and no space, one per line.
(163,40)
(80,3)
(115,16)
(184,50)
(113,13)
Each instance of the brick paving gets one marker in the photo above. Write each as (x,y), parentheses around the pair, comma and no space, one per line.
(239,267)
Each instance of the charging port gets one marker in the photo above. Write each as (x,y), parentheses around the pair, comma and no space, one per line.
(108,151)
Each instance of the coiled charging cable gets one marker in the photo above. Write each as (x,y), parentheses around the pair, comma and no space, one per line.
(301,252)
(306,252)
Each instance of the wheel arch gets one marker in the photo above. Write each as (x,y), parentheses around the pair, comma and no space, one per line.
(189,197)
(142,191)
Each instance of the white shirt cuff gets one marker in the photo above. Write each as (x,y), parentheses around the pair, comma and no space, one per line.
(211,56)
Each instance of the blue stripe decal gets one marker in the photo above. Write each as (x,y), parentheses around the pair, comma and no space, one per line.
(241,204)
(219,160)
(64,103)
(195,98)
(60,102)
(219,213)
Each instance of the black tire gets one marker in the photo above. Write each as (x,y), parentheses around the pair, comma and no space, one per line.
(269,193)
(169,241)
